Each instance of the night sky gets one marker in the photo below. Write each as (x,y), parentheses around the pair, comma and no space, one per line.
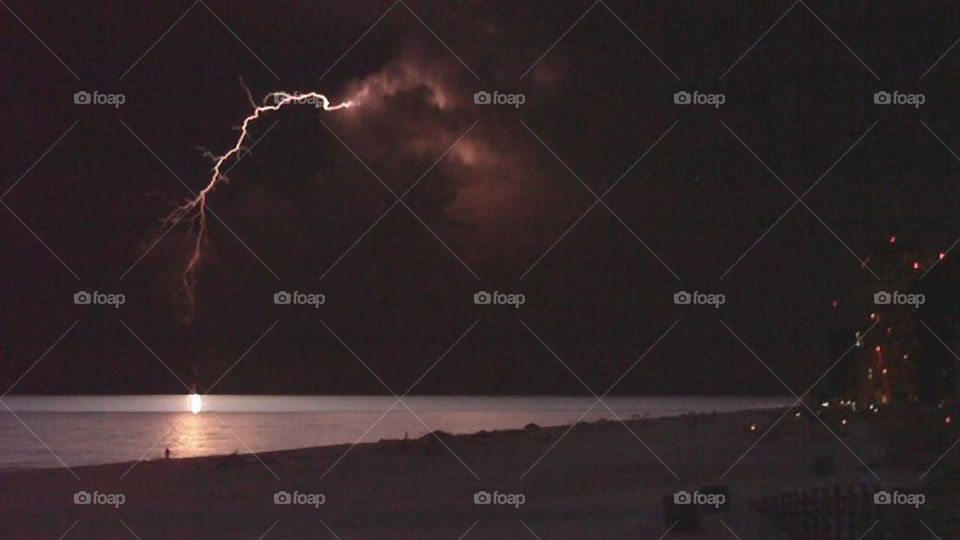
(801,103)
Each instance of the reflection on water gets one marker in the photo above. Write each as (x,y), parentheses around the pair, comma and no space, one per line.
(188,436)
(106,429)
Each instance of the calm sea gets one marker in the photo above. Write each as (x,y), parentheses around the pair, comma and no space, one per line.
(87,430)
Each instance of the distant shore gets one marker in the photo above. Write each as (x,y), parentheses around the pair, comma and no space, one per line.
(97,430)
(598,480)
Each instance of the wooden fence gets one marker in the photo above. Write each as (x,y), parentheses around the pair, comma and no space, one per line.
(839,512)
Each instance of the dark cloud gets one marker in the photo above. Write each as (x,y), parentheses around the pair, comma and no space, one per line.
(300,205)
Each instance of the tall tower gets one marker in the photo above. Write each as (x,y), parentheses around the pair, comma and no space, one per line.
(887,356)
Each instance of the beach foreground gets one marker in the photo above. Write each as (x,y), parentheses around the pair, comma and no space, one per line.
(599,480)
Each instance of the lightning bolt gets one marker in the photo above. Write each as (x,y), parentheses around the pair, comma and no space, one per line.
(196,209)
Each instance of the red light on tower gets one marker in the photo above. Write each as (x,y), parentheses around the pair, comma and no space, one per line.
(877,349)
(916,265)
(942,255)
(893,239)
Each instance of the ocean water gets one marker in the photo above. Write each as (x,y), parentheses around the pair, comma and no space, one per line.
(87,430)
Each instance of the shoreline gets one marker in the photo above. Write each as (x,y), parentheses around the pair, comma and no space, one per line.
(90,435)
(172,403)
(603,479)
(476,434)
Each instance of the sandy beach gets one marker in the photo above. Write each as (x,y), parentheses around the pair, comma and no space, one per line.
(598,480)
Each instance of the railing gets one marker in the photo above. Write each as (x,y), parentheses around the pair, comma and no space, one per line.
(838,512)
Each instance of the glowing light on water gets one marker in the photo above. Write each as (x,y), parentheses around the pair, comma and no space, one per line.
(196,404)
